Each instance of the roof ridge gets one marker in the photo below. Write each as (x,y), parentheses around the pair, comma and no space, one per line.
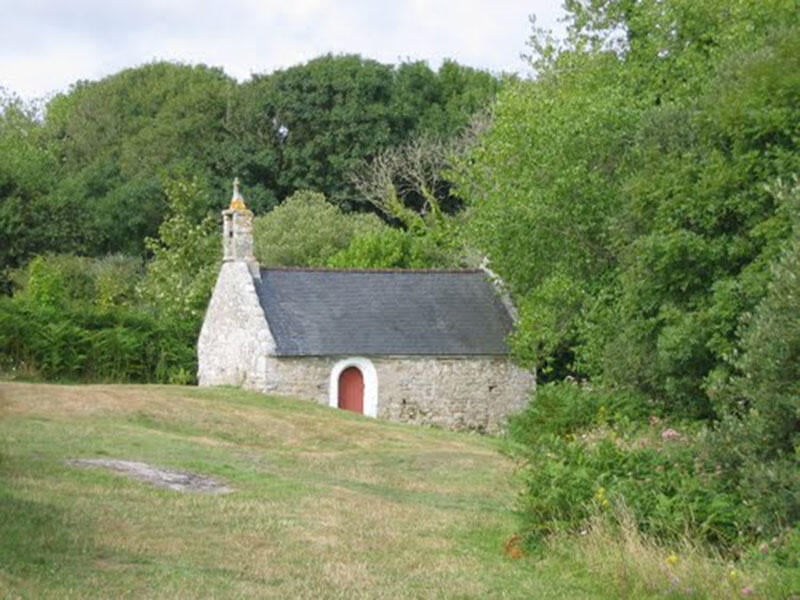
(355,270)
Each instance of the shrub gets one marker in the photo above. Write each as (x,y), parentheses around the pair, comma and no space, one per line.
(589,450)
(389,248)
(771,358)
(116,277)
(564,408)
(756,443)
(306,230)
(669,494)
(180,276)
(90,344)
(769,486)
(58,280)
(381,249)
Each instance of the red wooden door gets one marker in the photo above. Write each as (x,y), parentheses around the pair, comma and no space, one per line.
(351,390)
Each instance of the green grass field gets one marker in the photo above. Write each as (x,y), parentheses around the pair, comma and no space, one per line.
(324,504)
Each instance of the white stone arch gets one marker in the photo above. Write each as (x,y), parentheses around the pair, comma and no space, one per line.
(370,383)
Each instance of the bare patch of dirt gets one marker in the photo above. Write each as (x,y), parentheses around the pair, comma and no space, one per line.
(180,481)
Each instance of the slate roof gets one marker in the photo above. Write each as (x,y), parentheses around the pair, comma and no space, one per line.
(315,312)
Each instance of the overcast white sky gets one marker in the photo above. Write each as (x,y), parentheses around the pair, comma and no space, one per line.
(45,45)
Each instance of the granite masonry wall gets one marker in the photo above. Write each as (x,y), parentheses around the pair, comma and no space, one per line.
(476,393)
(235,340)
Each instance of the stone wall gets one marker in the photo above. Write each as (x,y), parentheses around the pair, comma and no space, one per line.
(234,341)
(455,393)
(477,393)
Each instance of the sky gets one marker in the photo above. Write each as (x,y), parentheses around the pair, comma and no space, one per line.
(46,45)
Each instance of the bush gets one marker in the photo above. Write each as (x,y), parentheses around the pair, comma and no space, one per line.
(57,280)
(382,249)
(589,451)
(565,408)
(90,344)
(181,274)
(756,443)
(770,383)
(306,230)
(738,449)
(669,494)
(116,277)
(388,248)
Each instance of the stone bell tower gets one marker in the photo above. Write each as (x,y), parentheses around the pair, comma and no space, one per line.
(237,229)
(235,338)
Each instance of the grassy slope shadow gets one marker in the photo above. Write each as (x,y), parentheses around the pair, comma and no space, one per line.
(37,538)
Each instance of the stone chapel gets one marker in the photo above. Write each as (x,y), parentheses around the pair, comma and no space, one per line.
(418,346)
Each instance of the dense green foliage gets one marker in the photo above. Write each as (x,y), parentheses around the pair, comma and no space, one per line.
(118,139)
(390,248)
(88,175)
(85,174)
(640,199)
(185,257)
(594,452)
(767,385)
(111,319)
(624,195)
(309,127)
(133,166)
(77,319)
(26,174)
(306,230)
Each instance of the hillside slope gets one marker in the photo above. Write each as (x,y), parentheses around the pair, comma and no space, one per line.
(323,503)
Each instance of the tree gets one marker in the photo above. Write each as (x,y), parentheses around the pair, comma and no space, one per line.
(185,257)
(306,126)
(310,126)
(439,104)
(117,139)
(408,184)
(96,156)
(27,223)
(623,193)
(391,248)
(306,230)
(767,386)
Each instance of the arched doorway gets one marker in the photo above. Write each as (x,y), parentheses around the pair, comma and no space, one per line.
(351,390)
(362,377)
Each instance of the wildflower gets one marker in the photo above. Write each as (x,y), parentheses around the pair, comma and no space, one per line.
(600,497)
(672,560)
(733,574)
(747,591)
(764,548)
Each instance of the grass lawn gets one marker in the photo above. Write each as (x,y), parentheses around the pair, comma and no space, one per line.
(324,503)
